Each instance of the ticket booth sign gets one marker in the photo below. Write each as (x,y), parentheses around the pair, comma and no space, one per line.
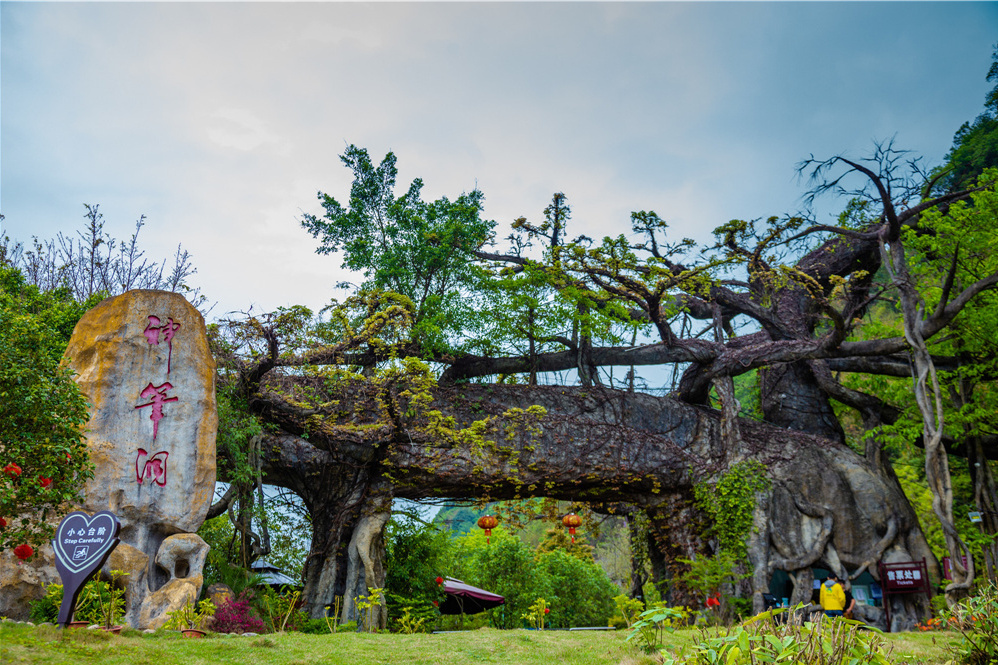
(902,577)
(907,577)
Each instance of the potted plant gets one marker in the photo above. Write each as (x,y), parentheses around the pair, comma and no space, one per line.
(112,605)
(191,619)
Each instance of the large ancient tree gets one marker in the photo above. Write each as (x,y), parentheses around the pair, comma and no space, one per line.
(359,420)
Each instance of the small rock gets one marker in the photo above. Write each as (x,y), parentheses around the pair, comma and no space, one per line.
(93,627)
(249,634)
(148,631)
(28,623)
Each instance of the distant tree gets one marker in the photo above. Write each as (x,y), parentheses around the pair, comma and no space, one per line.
(975,145)
(404,244)
(94,263)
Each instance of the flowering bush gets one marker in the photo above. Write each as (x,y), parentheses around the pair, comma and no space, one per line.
(43,454)
(933,624)
(237,616)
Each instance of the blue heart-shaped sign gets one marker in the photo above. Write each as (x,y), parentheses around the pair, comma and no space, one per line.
(82,541)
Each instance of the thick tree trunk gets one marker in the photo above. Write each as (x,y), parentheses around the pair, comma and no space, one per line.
(828,508)
(365,570)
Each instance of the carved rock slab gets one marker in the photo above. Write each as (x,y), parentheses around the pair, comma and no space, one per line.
(142,359)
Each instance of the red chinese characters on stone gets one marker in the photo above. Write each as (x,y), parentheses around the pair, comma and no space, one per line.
(157,395)
(157,331)
(153,468)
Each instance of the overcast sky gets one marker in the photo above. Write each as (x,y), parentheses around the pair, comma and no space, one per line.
(220,122)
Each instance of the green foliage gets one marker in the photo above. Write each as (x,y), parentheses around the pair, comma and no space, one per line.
(282,609)
(191,616)
(654,623)
(536,614)
(975,144)
(976,618)
(763,640)
(556,539)
(730,504)
(410,615)
(708,574)
(110,598)
(367,606)
(628,610)
(505,566)
(99,602)
(578,592)
(219,569)
(43,454)
(415,556)
(410,623)
(46,608)
(404,244)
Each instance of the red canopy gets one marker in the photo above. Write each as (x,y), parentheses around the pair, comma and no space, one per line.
(465,599)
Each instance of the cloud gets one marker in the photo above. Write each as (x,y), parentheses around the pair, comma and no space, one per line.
(240,129)
(222,121)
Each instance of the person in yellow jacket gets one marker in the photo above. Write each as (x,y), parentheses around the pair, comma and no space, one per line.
(832,596)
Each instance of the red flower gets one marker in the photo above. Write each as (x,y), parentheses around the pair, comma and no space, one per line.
(714,601)
(440,580)
(3,524)
(44,481)
(23,551)
(12,469)
(436,603)
(547,610)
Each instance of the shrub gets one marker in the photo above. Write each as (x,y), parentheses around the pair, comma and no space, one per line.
(506,567)
(763,640)
(314,627)
(410,615)
(414,557)
(88,604)
(46,608)
(191,616)
(578,592)
(653,623)
(628,610)
(237,616)
(282,609)
(976,618)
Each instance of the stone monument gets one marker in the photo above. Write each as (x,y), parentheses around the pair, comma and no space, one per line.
(142,360)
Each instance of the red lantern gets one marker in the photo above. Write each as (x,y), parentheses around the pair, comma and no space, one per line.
(487,522)
(572,521)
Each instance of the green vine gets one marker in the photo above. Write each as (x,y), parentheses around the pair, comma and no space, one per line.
(730,504)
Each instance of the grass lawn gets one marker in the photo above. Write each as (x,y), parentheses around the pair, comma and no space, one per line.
(45,644)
